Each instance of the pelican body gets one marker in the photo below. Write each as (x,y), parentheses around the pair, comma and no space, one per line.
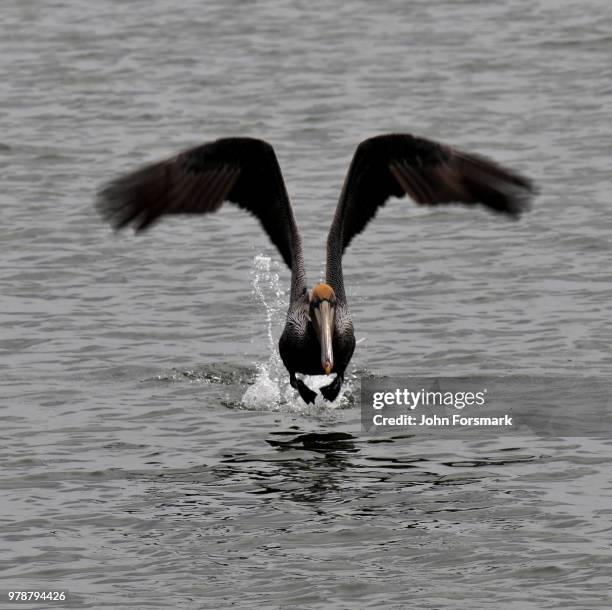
(318,337)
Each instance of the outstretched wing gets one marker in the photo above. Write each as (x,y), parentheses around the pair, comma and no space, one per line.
(430,173)
(244,171)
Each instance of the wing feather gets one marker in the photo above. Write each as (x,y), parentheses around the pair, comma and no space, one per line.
(244,171)
(430,173)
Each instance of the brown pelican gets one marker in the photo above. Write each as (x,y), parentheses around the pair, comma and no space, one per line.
(318,336)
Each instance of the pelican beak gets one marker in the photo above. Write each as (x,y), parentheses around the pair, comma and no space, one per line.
(326,321)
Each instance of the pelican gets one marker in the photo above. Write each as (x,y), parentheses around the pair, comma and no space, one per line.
(318,337)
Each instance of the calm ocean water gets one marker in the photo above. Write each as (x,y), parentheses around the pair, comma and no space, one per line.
(153,455)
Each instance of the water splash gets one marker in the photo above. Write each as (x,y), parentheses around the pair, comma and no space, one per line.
(266,391)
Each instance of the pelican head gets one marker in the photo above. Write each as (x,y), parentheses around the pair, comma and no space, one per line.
(322,311)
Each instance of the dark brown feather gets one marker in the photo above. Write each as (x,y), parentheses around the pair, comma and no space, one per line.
(430,173)
(244,171)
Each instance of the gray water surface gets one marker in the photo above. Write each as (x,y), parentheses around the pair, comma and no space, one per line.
(153,455)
